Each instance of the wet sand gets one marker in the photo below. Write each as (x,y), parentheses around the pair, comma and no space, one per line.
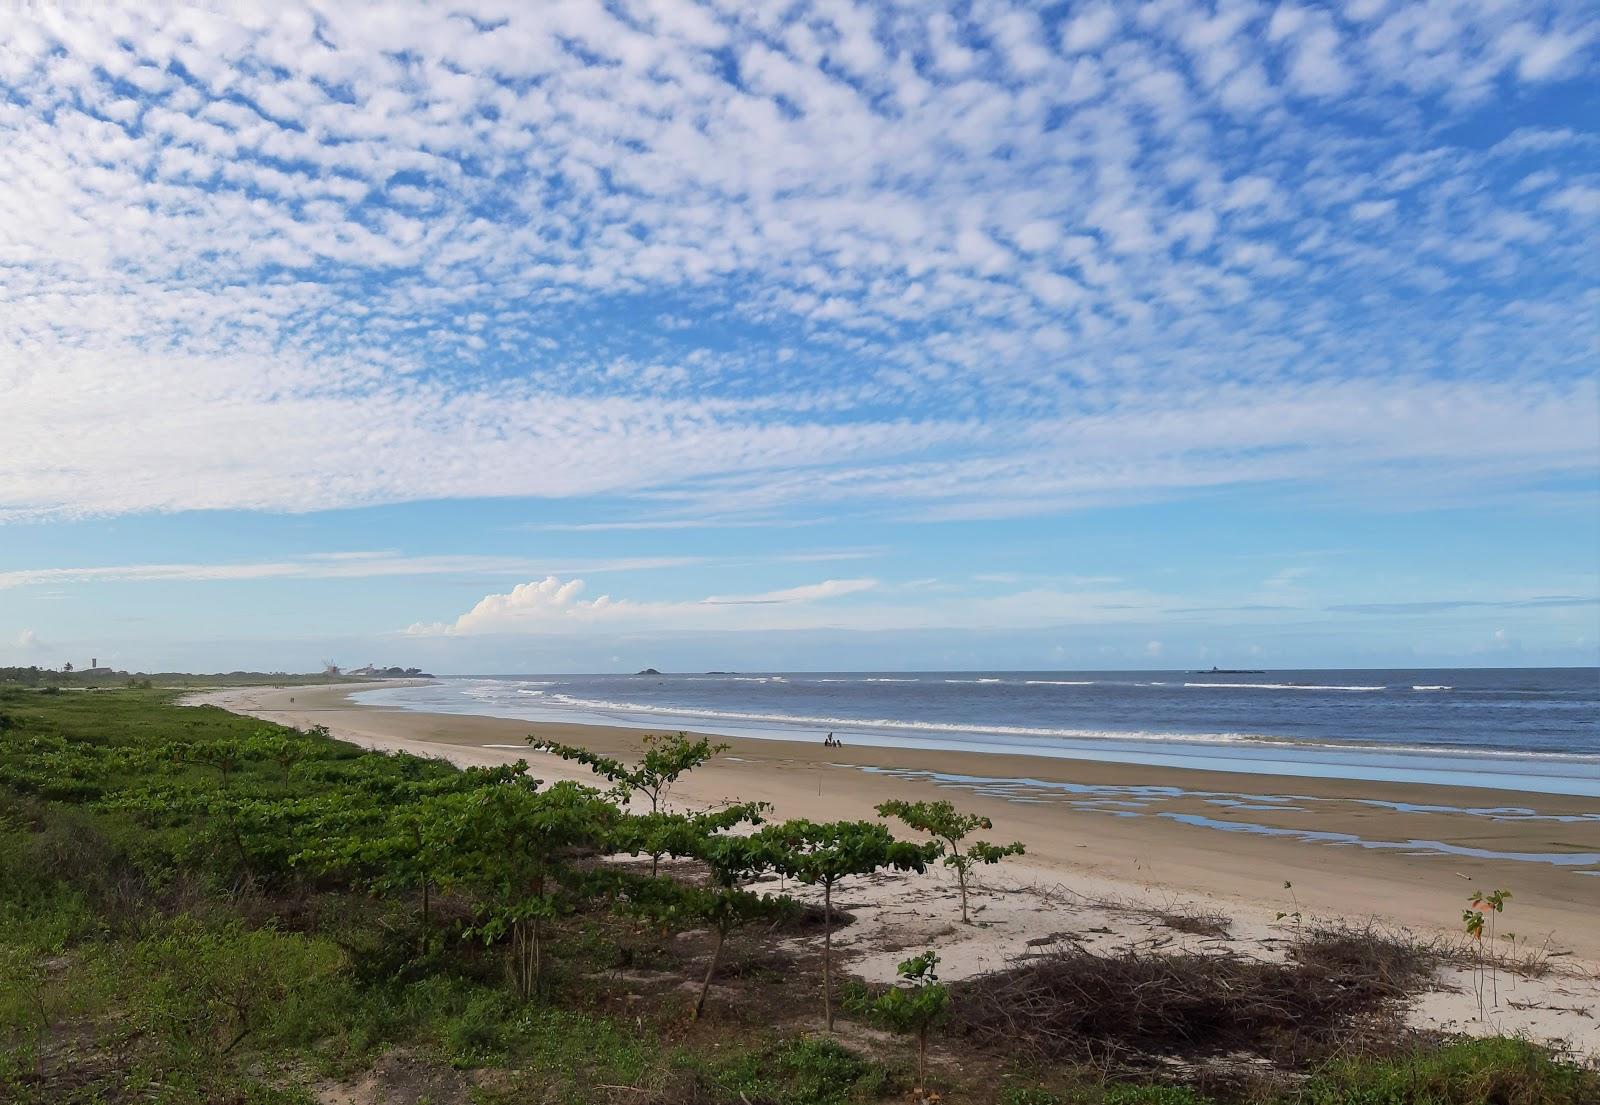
(1232,839)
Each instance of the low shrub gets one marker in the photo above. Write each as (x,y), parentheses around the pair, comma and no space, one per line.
(1494,1071)
(202,989)
(804,1071)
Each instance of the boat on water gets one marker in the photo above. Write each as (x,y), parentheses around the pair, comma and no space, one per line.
(1228,671)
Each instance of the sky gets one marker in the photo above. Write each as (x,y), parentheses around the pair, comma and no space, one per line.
(489,336)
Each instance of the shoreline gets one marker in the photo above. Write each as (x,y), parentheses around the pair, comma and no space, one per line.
(1349,849)
(1233,753)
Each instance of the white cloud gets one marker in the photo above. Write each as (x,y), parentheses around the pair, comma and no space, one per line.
(1546,56)
(808,592)
(1368,210)
(554,605)
(1579,199)
(1090,28)
(322,260)
(665,524)
(355,565)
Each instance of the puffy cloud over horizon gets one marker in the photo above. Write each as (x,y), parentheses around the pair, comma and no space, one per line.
(960,262)
(552,605)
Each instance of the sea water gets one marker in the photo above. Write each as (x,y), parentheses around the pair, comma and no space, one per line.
(1510,728)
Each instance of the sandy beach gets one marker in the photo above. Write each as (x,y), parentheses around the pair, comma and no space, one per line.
(1146,838)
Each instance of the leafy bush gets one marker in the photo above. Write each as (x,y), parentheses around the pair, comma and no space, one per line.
(1152,1095)
(914,1008)
(1499,1069)
(805,1071)
(202,989)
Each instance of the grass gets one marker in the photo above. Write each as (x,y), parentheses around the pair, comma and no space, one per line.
(1498,1071)
(802,1071)
(158,944)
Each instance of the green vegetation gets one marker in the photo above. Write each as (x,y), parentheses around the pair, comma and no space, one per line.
(1502,1070)
(826,855)
(197,907)
(949,828)
(1478,919)
(666,759)
(915,1008)
(44,678)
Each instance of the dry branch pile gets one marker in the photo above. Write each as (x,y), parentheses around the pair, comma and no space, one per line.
(1074,1004)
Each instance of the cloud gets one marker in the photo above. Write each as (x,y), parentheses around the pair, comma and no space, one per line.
(809,592)
(943,261)
(1442,605)
(666,524)
(1242,608)
(354,565)
(553,605)
(1369,210)
(28,641)
(1089,28)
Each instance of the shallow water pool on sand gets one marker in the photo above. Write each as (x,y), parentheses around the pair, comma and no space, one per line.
(1149,801)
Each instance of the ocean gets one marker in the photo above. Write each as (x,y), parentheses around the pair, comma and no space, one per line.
(1509,728)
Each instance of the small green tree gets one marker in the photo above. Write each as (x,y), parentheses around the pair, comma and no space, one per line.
(734,862)
(723,902)
(731,861)
(914,1009)
(512,846)
(378,830)
(664,833)
(224,804)
(949,827)
(827,854)
(665,759)
(1478,917)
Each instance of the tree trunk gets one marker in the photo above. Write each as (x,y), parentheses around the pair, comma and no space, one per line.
(427,915)
(519,963)
(416,838)
(922,1063)
(711,969)
(961,881)
(537,958)
(827,953)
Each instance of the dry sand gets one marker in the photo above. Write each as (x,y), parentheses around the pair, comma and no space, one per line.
(1103,859)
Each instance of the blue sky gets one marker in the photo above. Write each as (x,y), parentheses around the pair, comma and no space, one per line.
(585,336)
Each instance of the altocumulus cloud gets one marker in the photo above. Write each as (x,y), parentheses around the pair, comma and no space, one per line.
(952,260)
